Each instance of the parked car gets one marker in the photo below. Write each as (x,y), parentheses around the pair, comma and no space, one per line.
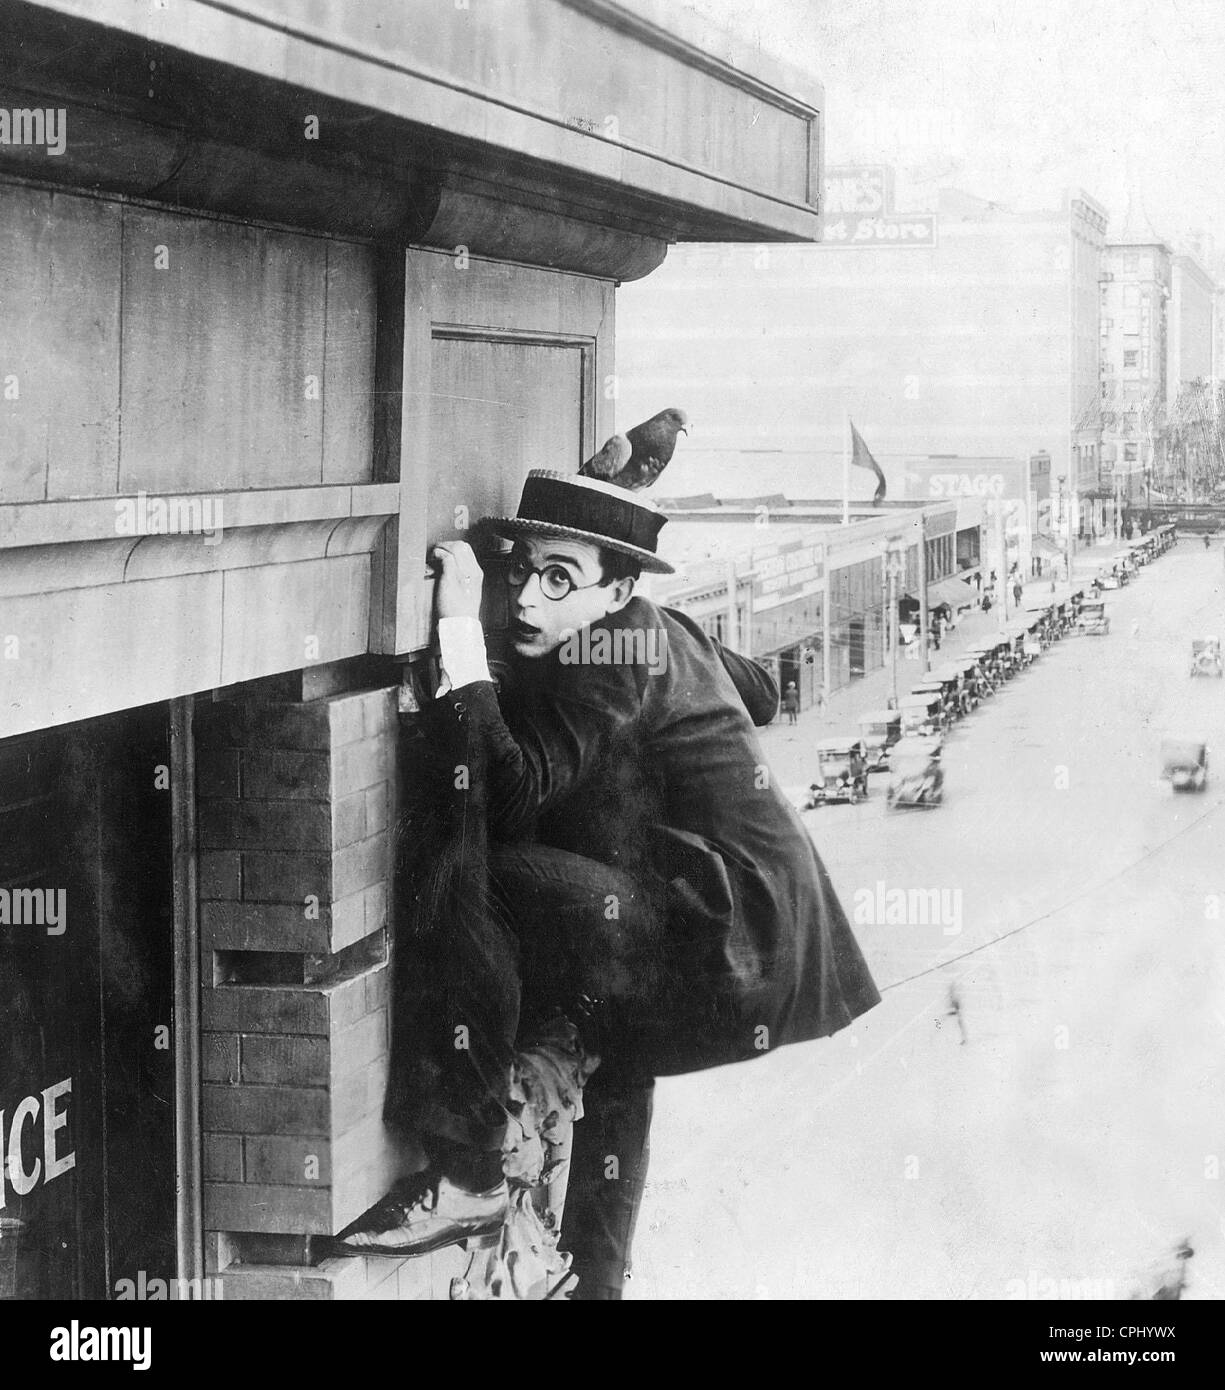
(879,730)
(1093,619)
(921,713)
(842,772)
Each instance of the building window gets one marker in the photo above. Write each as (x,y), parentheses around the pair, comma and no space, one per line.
(1131,264)
(941,557)
(1130,453)
(1131,358)
(1131,296)
(1107,325)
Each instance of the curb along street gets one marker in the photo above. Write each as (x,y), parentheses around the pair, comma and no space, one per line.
(793,746)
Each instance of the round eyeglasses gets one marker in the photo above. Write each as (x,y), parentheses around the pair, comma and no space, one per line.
(555,581)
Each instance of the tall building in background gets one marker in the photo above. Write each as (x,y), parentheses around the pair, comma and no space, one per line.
(1192,325)
(1194,454)
(1135,297)
(970,330)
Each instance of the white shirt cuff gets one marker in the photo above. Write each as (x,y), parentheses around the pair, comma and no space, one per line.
(462,645)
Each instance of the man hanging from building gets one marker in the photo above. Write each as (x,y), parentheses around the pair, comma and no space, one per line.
(647,902)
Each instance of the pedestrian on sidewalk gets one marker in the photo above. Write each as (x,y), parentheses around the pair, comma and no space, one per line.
(791,702)
(1017,591)
(819,703)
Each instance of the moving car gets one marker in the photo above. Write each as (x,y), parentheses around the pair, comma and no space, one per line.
(842,772)
(1184,763)
(916,777)
(1206,656)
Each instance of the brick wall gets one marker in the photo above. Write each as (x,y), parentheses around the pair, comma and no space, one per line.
(295,809)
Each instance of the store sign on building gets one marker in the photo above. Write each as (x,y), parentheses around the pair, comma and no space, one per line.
(30,1141)
(859,211)
(931,480)
(797,569)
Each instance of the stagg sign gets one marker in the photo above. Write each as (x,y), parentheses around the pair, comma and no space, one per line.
(859,211)
(942,480)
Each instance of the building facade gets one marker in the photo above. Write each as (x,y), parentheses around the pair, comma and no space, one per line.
(995,503)
(287,298)
(812,597)
(1194,300)
(969,330)
(1194,457)
(1135,295)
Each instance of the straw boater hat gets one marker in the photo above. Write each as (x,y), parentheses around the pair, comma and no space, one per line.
(587,509)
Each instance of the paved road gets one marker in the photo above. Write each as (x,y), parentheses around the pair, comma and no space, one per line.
(1041,1095)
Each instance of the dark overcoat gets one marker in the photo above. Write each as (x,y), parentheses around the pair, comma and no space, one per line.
(640,752)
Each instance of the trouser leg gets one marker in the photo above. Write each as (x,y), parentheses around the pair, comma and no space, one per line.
(583,927)
(586,928)
(608,1169)
(479,995)
(455,1016)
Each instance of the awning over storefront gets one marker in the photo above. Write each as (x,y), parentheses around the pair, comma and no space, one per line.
(955,592)
(1043,545)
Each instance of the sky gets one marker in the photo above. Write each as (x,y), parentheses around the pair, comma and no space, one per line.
(1015,100)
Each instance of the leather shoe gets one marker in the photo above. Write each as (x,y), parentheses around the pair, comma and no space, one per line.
(424,1213)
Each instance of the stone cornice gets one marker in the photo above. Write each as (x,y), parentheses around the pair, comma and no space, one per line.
(405,112)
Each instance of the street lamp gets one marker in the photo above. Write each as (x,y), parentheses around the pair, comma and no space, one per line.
(894,568)
(1065,516)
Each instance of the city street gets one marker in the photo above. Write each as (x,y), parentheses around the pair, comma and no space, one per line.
(1037,1107)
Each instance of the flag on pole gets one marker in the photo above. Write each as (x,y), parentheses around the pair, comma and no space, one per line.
(846,469)
(861,457)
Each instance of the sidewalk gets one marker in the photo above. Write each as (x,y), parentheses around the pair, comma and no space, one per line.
(782,740)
